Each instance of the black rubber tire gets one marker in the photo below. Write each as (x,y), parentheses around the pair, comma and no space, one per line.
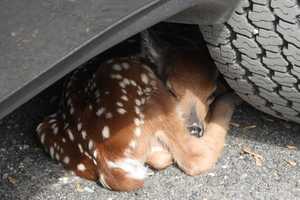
(258,52)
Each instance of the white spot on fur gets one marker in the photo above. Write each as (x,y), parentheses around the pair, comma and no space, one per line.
(83,134)
(105,132)
(43,138)
(94,161)
(137,110)
(66,125)
(147,90)
(121,111)
(39,128)
(134,168)
(137,102)
(144,78)
(97,93)
(79,126)
(116,76)
(57,156)
(55,130)
(70,134)
(100,111)
(126,81)
(66,160)
(53,115)
(94,85)
(141,115)
(72,110)
(108,115)
(69,102)
(137,131)
(132,144)
(140,92)
(138,121)
(81,167)
(133,83)
(69,84)
(52,152)
(87,155)
(146,66)
(151,74)
(52,121)
(124,97)
(80,148)
(119,104)
(122,84)
(116,67)
(67,94)
(153,83)
(91,144)
(95,154)
(125,65)
(124,91)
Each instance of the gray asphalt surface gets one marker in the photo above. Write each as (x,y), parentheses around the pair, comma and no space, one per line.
(270,169)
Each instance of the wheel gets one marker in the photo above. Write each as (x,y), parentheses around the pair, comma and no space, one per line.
(258,52)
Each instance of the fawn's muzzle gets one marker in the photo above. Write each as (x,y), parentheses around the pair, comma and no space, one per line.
(194,124)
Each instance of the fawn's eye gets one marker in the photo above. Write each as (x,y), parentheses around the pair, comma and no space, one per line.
(211,98)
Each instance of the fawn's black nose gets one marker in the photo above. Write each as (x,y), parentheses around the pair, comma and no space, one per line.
(196,129)
(193,122)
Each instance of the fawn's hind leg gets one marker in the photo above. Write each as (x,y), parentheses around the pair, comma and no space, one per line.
(123,174)
(60,143)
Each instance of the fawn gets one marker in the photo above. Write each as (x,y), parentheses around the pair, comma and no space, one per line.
(122,117)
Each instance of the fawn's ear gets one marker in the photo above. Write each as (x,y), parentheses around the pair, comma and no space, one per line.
(171,89)
(157,51)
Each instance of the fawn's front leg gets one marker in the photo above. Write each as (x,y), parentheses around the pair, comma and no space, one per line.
(195,155)
(208,149)
(158,157)
(176,144)
(169,135)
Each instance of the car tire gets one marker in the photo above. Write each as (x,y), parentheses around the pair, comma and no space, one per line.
(258,52)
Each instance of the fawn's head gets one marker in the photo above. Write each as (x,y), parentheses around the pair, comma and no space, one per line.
(189,73)
(192,79)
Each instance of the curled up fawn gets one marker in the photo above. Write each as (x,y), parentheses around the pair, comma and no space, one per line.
(123,117)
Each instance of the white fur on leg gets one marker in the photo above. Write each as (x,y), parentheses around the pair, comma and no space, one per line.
(134,168)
